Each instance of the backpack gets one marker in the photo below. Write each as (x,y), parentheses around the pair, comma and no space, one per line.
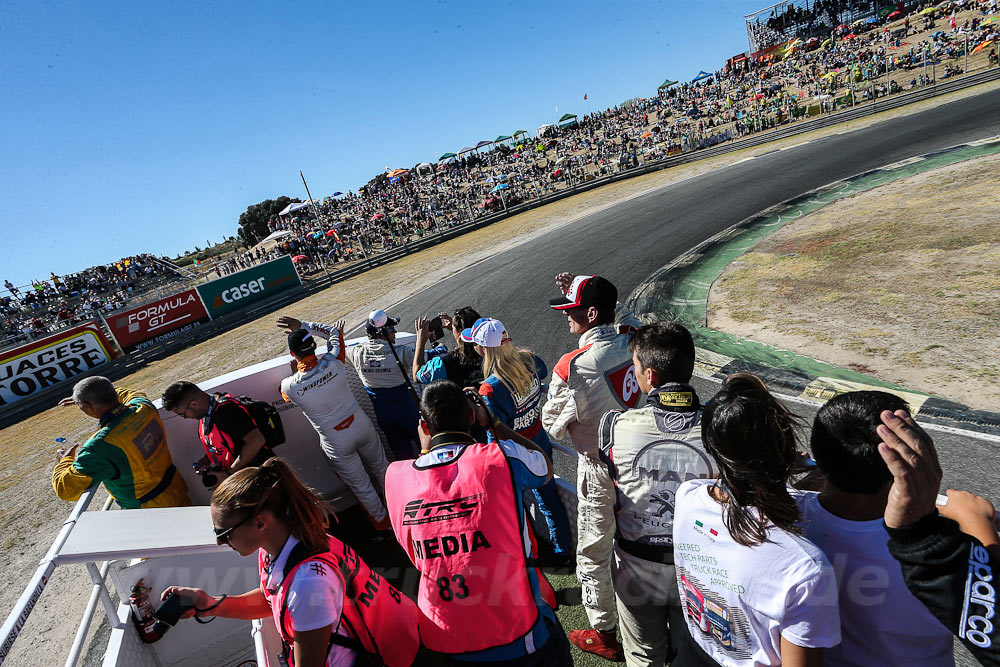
(264,415)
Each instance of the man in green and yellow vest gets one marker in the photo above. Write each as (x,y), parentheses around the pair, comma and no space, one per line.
(128,453)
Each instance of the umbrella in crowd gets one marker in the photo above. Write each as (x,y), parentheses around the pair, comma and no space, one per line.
(300,258)
(315,235)
(445,157)
(378,216)
(647,134)
(842,26)
(894,15)
(333,232)
(929,10)
(982,46)
(826,42)
(500,187)
(336,194)
(990,20)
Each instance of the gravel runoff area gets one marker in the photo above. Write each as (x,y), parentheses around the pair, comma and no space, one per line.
(915,262)
(30,514)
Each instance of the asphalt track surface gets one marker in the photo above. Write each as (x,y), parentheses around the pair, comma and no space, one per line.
(627,242)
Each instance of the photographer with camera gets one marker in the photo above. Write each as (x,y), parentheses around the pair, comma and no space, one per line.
(231,437)
(458,513)
(382,369)
(306,577)
(318,385)
(462,366)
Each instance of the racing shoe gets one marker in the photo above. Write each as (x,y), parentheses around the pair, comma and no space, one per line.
(604,644)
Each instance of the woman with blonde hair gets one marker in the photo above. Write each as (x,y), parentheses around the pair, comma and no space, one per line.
(267,511)
(513,392)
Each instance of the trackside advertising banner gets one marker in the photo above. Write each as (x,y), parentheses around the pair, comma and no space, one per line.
(146,325)
(243,288)
(48,361)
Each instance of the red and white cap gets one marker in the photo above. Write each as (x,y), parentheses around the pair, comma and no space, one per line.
(587,291)
(486,332)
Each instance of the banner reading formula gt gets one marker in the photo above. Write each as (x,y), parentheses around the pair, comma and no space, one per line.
(145,325)
(30,368)
(244,287)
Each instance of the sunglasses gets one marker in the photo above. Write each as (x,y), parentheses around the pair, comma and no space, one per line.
(224,534)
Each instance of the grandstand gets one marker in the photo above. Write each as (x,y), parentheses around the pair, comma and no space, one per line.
(802,19)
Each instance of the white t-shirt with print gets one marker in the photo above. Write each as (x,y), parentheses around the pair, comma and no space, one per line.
(740,601)
(881,622)
(315,600)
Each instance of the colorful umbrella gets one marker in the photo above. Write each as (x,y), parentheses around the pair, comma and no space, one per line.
(333,232)
(982,46)
(300,258)
(929,10)
(647,134)
(894,15)
(445,157)
(378,216)
(336,194)
(502,186)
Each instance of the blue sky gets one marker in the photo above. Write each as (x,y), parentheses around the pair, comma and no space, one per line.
(142,126)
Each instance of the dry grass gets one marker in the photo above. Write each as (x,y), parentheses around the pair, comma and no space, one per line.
(901,282)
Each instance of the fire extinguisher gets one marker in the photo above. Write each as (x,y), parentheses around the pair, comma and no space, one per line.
(142,613)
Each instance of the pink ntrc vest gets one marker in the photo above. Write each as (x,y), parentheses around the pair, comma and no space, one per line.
(218,445)
(375,613)
(458,524)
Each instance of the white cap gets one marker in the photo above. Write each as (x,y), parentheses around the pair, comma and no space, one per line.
(378,318)
(486,332)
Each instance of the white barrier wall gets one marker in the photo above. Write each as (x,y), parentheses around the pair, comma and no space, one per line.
(262,382)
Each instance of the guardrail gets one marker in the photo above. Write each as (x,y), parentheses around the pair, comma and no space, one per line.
(129,363)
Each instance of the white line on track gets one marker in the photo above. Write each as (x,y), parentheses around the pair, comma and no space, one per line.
(801,143)
(982,142)
(903,163)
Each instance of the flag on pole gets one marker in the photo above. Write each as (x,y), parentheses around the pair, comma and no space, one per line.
(585,96)
(951,21)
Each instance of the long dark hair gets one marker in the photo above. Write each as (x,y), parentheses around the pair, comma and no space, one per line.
(752,438)
(464,318)
(273,486)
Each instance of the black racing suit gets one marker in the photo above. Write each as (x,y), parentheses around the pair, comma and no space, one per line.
(953,575)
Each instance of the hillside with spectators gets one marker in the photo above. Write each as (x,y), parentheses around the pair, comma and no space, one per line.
(808,67)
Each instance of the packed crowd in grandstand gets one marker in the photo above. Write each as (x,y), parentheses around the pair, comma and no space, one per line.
(820,66)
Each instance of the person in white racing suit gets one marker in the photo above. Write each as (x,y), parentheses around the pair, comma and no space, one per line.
(395,408)
(587,383)
(348,438)
(649,451)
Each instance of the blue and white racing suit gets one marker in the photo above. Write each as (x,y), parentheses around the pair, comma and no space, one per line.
(523,414)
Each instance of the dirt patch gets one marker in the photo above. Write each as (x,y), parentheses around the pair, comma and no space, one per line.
(30,514)
(900,282)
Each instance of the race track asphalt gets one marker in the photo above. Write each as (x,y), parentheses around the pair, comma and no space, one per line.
(628,242)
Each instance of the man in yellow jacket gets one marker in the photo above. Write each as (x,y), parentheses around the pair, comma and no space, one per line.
(128,453)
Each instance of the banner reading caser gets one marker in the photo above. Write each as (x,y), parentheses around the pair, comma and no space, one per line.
(244,287)
(138,327)
(51,360)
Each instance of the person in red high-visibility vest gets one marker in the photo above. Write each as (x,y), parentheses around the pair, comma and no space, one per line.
(330,608)
(458,513)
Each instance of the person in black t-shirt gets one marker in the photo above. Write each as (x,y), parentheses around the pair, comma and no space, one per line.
(231,439)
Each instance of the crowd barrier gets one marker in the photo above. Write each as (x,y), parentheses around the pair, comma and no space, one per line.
(231,312)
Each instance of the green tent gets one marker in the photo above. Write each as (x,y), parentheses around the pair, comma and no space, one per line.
(567,116)
(519,133)
(502,137)
(666,84)
(446,156)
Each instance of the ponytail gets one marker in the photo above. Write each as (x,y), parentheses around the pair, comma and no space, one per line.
(752,438)
(274,487)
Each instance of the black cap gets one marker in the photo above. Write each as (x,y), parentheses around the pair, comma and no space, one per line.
(587,291)
(301,343)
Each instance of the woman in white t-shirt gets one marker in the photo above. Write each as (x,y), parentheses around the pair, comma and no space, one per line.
(754,591)
(304,572)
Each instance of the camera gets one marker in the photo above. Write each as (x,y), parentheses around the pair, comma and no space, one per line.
(435,329)
(208,480)
(168,613)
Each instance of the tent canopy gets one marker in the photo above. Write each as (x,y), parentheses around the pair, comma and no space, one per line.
(291,208)
(466,149)
(518,133)
(280,234)
(502,137)
(666,84)
(567,116)
(701,76)
(446,156)
(482,143)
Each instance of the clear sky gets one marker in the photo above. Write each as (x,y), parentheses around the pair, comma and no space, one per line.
(150,126)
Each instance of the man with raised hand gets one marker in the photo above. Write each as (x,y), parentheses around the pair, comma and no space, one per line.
(948,565)
(128,452)
(586,383)
(318,385)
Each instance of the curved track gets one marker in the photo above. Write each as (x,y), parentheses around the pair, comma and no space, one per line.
(628,242)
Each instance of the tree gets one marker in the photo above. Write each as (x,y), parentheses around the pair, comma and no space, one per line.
(253,223)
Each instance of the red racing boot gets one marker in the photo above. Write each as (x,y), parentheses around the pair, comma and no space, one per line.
(604,644)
